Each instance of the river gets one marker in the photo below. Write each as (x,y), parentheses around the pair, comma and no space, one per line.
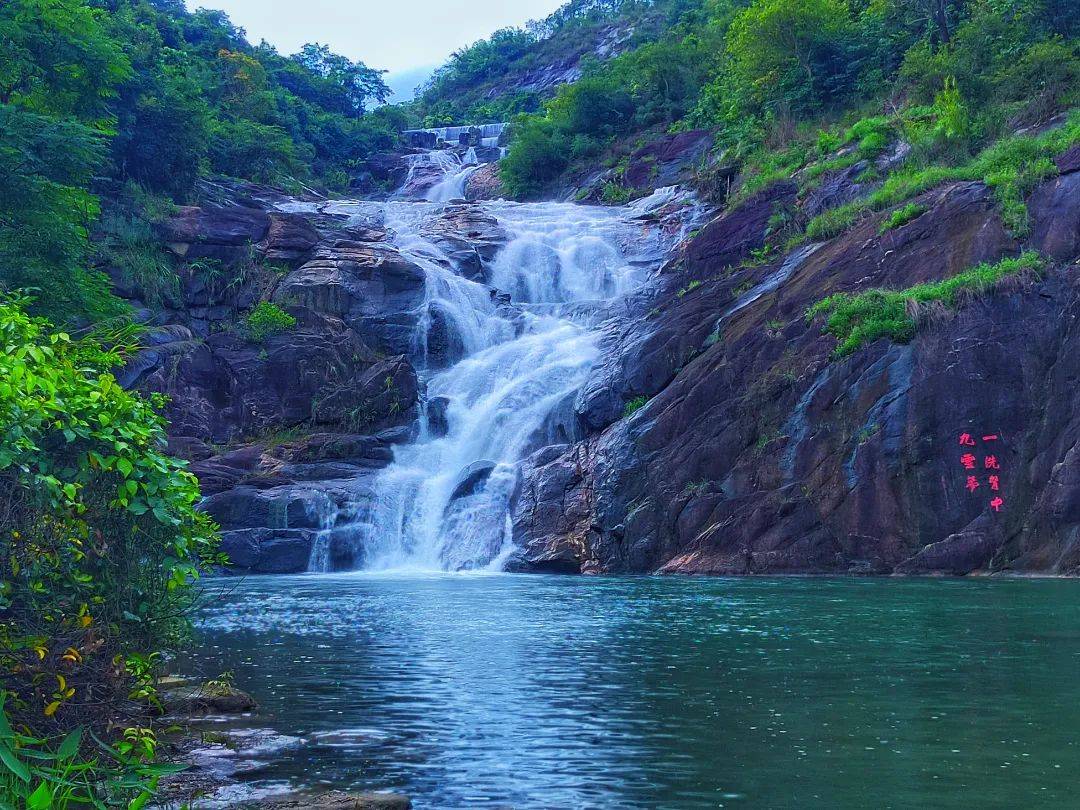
(495,690)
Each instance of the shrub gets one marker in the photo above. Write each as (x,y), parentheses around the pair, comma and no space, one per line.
(99,538)
(615,193)
(861,318)
(633,406)
(537,155)
(268,319)
(792,54)
(1011,167)
(128,243)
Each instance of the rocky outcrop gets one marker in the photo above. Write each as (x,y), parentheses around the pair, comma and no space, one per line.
(667,161)
(485,184)
(266,421)
(468,235)
(756,451)
(368,285)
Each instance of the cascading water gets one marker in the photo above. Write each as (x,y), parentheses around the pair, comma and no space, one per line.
(453,168)
(444,501)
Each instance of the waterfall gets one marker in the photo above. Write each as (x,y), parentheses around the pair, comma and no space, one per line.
(452,135)
(443,502)
(525,340)
(453,169)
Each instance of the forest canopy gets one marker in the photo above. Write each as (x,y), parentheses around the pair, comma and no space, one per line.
(143,92)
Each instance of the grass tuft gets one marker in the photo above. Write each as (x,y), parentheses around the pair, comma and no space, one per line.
(855,320)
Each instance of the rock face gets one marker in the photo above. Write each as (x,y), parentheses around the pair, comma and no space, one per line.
(469,236)
(667,161)
(266,423)
(369,286)
(484,184)
(758,452)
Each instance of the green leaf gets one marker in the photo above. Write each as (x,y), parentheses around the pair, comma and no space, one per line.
(124,466)
(5,727)
(13,764)
(40,799)
(70,746)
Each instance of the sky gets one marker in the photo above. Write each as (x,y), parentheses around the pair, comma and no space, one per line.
(401,36)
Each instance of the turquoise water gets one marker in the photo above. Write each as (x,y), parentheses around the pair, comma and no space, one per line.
(549,692)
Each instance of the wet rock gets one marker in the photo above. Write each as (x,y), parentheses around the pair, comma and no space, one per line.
(268,551)
(468,235)
(290,238)
(384,172)
(485,184)
(437,423)
(1054,208)
(337,800)
(320,373)
(733,235)
(471,479)
(757,452)
(445,345)
(223,233)
(368,285)
(836,189)
(207,698)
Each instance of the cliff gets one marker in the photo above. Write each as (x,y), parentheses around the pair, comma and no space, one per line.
(759,451)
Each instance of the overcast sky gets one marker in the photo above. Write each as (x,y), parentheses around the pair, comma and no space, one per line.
(394,35)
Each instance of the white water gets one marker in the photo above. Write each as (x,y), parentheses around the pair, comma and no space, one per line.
(454,168)
(521,365)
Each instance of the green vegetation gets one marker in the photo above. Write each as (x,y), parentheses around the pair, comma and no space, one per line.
(857,319)
(633,406)
(902,216)
(467,88)
(268,319)
(143,93)
(804,88)
(100,545)
(1012,167)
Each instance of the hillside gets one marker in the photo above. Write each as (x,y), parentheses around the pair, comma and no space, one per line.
(517,70)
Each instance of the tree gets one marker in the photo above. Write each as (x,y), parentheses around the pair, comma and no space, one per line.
(57,58)
(793,54)
(99,536)
(45,212)
(355,81)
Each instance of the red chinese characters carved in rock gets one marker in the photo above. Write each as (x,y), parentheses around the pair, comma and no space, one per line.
(990,461)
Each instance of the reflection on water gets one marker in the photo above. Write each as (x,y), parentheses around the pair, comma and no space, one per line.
(544,692)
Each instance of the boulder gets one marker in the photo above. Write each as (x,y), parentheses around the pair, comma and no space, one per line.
(268,551)
(485,184)
(468,235)
(471,479)
(370,286)
(337,800)
(437,423)
(214,232)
